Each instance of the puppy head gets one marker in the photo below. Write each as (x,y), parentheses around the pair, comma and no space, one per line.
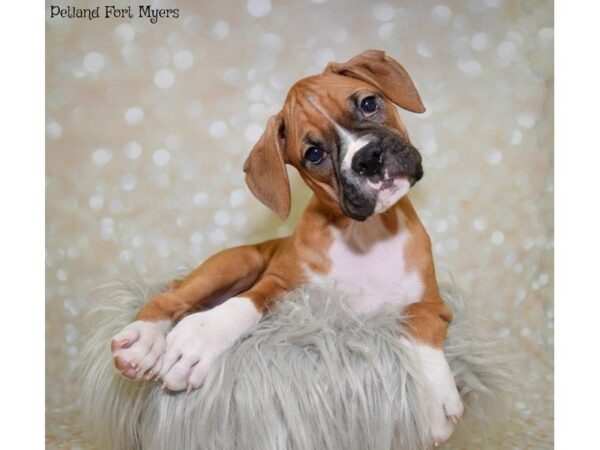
(341,130)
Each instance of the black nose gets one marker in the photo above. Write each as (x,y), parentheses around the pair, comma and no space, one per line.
(368,161)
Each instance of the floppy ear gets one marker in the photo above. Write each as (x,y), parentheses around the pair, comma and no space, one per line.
(385,73)
(265,171)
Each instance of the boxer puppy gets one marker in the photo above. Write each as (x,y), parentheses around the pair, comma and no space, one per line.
(342,132)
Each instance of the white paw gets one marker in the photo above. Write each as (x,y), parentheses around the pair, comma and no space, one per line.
(443,415)
(138,347)
(200,338)
(446,407)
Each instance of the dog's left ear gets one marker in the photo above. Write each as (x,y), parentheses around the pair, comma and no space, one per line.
(265,171)
(386,74)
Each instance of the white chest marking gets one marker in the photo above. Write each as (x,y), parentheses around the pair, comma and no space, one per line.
(368,264)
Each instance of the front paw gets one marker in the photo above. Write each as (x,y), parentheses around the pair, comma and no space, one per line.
(444,412)
(137,349)
(192,346)
(196,341)
(445,407)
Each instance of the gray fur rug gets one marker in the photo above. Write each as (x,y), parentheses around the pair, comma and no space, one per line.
(313,376)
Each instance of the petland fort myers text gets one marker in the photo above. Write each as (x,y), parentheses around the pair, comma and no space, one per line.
(113,12)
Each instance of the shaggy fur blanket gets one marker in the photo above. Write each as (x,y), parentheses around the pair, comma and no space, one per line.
(312,376)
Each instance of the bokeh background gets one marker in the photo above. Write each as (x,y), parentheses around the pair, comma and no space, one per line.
(148,125)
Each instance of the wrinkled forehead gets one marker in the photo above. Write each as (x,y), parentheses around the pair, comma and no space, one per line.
(317,103)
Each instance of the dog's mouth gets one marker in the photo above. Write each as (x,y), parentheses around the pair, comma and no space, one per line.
(378,179)
(378,194)
(387,182)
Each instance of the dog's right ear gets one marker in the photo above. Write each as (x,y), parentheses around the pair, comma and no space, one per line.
(265,171)
(385,73)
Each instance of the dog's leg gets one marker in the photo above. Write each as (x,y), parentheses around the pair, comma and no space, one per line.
(174,284)
(200,338)
(427,323)
(138,347)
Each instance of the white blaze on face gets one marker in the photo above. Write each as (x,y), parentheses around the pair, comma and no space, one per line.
(350,143)
(351,146)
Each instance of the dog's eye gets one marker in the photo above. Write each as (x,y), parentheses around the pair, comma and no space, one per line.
(314,155)
(369,106)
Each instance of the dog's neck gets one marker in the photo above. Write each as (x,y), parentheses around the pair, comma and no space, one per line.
(375,228)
